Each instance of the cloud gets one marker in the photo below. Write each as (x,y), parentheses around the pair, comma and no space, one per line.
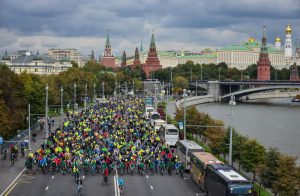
(190,24)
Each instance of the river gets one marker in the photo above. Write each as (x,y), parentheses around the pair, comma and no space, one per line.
(273,122)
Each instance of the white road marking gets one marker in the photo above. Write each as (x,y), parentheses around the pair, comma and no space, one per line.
(147,176)
(186,178)
(83,177)
(46,188)
(151,187)
(52,177)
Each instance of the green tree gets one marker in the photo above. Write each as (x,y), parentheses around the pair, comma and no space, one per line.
(180,82)
(287,179)
(268,171)
(74,64)
(252,156)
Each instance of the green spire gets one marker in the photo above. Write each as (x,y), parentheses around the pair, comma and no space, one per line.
(264,48)
(152,44)
(141,47)
(107,44)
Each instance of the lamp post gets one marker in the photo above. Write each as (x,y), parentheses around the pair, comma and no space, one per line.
(61,104)
(46,112)
(102,90)
(85,91)
(196,88)
(74,108)
(232,103)
(201,71)
(95,91)
(29,130)
(184,115)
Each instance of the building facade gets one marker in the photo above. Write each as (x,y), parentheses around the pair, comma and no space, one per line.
(108,59)
(36,64)
(73,54)
(263,63)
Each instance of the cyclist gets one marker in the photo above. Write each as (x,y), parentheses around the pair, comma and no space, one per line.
(79,183)
(121,184)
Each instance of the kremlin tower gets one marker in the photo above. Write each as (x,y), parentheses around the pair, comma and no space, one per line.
(123,63)
(294,73)
(152,63)
(263,64)
(136,61)
(108,60)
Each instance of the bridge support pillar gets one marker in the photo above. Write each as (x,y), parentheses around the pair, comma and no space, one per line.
(214,90)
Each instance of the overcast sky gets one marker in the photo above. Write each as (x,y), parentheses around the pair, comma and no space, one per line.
(188,24)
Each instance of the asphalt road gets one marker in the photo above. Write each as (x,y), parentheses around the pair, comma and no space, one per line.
(38,184)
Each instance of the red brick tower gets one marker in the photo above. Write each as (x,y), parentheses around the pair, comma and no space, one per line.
(294,73)
(263,64)
(108,60)
(152,63)
(136,61)
(123,63)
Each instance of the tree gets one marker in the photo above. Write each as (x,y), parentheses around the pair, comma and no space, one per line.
(287,181)
(268,171)
(74,64)
(252,156)
(180,82)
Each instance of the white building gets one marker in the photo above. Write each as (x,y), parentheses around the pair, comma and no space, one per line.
(36,64)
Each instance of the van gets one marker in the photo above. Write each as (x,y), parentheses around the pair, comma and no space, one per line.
(169,133)
(158,123)
(153,116)
(148,111)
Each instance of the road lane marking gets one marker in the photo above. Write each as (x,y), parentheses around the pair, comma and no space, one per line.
(151,187)
(147,176)
(83,177)
(11,188)
(52,177)
(46,188)
(186,178)
(13,183)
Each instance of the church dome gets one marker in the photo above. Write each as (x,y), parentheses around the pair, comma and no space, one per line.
(288,29)
(251,40)
(37,56)
(6,57)
(277,39)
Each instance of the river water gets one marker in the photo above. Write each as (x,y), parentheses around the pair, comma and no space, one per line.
(273,122)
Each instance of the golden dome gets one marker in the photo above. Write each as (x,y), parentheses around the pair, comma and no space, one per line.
(277,39)
(288,30)
(251,40)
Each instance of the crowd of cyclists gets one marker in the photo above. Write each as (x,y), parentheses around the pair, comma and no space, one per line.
(105,137)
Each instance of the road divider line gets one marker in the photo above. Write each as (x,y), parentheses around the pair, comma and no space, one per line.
(13,183)
(147,176)
(52,177)
(83,177)
(47,188)
(151,187)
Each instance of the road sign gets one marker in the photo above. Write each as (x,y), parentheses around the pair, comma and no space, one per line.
(180,125)
(149,101)
(1,140)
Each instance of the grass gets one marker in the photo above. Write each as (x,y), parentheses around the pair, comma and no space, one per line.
(263,191)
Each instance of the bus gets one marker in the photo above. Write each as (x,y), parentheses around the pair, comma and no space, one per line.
(158,123)
(169,133)
(199,161)
(153,116)
(216,178)
(184,150)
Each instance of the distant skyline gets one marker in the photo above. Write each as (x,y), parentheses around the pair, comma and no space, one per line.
(191,24)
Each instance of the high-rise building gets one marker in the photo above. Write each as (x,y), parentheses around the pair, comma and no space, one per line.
(108,60)
(263,64)
(152,63)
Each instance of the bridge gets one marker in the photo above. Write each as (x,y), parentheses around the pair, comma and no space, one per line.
(222,90)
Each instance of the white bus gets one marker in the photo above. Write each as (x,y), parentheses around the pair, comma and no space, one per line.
(154,116)
(169,133)
(185,149)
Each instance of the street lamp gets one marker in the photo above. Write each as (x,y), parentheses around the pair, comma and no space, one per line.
(61,104)
(85,96)
(232,103)
(184,114)
(29,130)
(94,91)
(74,108)
(102,90)
(46,112)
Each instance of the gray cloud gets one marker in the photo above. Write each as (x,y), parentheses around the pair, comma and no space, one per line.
(190,24)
